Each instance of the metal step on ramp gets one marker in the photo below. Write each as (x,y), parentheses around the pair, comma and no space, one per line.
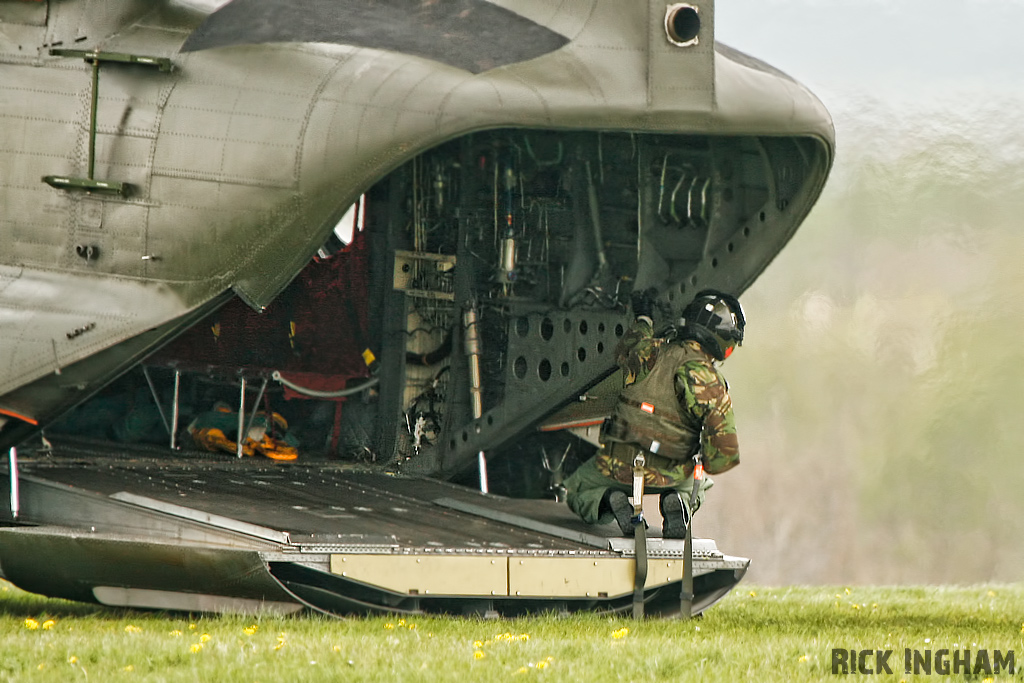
(235,536)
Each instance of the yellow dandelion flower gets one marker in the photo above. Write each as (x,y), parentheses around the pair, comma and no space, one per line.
(132,629)
(176,633)
(41,665)
(621,633)
(991,594)
(389,626)
(411,627)
(49,624)
(196,647)
(401,622)
(804,658)
(753,594)
(251,631)
(337,648)
(280,641)
(543,664)
(205,638)
(479,654)
(478,644)
(72,659)
(31,624)
(847,590)
(523,670)
(989,680)
(191,627)
(855,606)
(129,668)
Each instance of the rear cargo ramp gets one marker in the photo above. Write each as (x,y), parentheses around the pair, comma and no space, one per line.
(202,535)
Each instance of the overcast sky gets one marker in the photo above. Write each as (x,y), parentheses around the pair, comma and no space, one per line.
(918,48)
(914,245)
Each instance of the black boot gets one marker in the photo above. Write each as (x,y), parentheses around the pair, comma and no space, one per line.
(675,516)
(618,504)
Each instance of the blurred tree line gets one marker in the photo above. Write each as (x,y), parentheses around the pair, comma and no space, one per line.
(880,387)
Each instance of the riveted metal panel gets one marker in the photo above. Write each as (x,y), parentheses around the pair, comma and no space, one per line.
(55,319)
(585,577)
(38,136)
(229,122)
(26,13)
(426,575)
(71,22)
(681,77)
(570,577)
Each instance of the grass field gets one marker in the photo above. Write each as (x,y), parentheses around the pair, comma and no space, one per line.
(759,634)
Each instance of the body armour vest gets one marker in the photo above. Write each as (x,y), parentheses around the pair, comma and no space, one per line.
(648,412)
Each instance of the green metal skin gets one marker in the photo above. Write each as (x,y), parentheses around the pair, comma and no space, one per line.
(239,161)
(147,176)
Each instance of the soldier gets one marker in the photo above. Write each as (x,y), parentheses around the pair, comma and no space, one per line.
(674,402)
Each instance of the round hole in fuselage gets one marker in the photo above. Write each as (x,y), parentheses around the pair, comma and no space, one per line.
(682,24)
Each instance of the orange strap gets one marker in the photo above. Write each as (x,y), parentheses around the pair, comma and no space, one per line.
(19,416)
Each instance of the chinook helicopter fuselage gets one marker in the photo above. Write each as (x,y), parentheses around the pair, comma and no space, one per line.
(520,168)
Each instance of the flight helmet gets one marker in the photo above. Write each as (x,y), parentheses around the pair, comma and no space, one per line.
(713,319)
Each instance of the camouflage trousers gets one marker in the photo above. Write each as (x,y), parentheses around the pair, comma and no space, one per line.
(587,485)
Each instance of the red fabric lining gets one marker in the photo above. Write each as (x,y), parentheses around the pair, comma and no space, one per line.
(327,303)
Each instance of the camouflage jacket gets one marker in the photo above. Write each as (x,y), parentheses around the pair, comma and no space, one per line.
(704,402)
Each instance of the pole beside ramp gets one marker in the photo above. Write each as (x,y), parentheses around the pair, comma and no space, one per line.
(686,595)
(12,456)
(640,536)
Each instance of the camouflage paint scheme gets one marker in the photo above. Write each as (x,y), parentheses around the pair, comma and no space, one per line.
(703,397)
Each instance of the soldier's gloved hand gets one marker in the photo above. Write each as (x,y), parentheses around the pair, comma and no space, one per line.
(643,302)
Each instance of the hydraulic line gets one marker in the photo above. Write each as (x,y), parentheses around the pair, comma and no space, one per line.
(156,398)
(176,409)
(314,393)
(661,191)
(431,357)
(595,219)
(473,352)
(256,407)
(240,443)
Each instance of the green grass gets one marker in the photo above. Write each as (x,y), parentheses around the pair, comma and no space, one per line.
(761,634)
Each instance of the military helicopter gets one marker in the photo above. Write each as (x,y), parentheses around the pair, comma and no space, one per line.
(515,168)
